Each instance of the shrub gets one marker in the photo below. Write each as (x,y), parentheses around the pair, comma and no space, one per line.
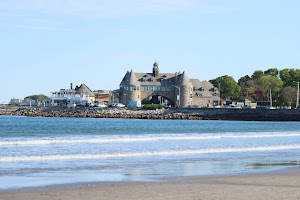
(154,106)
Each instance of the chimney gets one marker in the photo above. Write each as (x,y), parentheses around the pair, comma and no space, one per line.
(71,86)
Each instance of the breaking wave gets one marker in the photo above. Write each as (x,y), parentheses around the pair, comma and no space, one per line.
(135,139)
(140,154)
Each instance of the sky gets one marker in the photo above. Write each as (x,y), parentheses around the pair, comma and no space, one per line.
(47,44)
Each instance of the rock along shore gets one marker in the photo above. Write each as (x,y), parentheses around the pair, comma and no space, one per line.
(103,113)
(171,113)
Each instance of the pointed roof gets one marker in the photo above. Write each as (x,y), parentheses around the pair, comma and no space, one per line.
(85,90)
(184,80)
(130,79)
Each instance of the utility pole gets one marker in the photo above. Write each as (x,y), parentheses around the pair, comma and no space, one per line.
(270,97)
(219,95)
(297,102)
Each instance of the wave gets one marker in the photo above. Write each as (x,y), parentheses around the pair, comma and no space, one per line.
(140,154)
(134,139)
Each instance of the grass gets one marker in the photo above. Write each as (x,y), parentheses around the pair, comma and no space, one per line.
(153,106)
(12,107)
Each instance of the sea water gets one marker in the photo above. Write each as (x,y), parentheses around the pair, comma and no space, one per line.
(46,151)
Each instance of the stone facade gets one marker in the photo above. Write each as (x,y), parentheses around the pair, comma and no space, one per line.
(166,88)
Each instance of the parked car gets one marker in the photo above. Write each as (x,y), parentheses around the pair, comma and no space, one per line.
(270,107)
(231,106)
(193,106)
(246,106)
(116,105)
(100,105)
(119,105)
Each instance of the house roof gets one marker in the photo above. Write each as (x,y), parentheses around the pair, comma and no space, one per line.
(207,88)
(130,79)
(85,90)
(164,79)
(184,80)
(207,84)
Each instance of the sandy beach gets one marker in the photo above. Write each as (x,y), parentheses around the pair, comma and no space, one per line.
(283,184)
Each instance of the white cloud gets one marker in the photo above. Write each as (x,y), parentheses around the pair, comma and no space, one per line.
(98,8)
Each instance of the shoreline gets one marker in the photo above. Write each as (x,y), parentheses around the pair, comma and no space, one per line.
(277,184)
(170,113)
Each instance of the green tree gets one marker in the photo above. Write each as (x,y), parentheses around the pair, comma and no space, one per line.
(289,77)
(228,86)
(257,74)
(247,89)
(264,83)
(288,95)
(244,79)
(271,72)
(38,98)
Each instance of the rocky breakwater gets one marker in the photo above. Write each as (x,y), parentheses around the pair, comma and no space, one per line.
(104,113)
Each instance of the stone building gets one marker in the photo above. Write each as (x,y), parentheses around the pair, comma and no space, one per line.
(174,89)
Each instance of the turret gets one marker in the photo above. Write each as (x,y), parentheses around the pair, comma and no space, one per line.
(185,89)
(130,87)
(155,69)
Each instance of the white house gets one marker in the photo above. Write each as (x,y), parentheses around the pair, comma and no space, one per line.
(71,97)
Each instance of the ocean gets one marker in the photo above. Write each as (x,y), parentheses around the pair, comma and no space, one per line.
(42,151)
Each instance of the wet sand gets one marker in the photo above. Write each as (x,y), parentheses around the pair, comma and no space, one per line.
(283,184)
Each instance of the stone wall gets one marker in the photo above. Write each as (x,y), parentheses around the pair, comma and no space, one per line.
(127,96)
(244,114)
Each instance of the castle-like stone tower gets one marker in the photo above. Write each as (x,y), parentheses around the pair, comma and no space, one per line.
(131,90)
(185,89)
(164,88)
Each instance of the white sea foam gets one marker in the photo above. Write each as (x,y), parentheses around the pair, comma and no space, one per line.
(139,154)
(136,139)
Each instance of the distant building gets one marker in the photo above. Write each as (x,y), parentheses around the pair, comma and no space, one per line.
(81,95)
(101,96)
(27,102)
(166,88)
(14,101)
(258,96)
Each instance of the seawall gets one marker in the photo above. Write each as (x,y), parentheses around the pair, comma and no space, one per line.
(245,114)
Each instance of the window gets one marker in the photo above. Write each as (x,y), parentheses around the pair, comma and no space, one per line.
(163,89)
(150,88)
(145,88)
(156,88)
(137,87)
(132,88)
(169,89)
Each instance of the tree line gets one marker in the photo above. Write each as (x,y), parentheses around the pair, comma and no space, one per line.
(282,83)
(38,98)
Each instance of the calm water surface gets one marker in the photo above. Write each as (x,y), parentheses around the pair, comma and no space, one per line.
(46,151)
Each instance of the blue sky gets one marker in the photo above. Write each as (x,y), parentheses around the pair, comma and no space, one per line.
(47,44)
